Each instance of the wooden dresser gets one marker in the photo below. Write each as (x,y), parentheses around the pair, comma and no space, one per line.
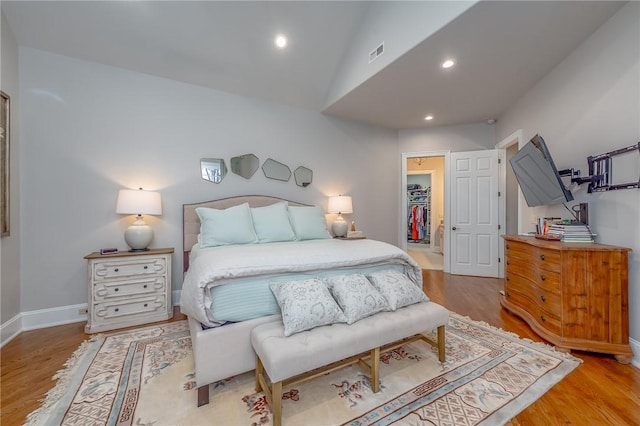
(574,295)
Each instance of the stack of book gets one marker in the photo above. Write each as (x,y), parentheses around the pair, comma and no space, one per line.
(571,232)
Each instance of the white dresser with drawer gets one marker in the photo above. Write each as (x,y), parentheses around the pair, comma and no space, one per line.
(128,288)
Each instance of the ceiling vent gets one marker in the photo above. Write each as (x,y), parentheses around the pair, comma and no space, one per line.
(375,53)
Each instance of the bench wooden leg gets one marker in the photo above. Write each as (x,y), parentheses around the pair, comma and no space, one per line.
(375,369)
(276,406)
(259,371)
(441,343)
(203,395)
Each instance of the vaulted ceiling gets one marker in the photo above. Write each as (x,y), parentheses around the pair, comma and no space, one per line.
(501,49)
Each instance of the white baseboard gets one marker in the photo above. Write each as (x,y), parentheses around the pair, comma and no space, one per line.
(44,318)
(635,347)
(10,329)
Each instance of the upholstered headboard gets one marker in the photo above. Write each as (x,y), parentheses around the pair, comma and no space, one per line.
(191,221)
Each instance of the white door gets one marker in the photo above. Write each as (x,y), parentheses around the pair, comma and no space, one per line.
(474,227)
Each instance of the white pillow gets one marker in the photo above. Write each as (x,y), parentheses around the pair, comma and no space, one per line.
(305,304)
(308,223)
(397,288)
(224,227)
(272,223)
(356,296)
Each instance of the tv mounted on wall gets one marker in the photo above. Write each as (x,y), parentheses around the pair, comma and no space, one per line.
(537,175)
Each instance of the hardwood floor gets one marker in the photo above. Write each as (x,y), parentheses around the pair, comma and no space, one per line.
(599,392)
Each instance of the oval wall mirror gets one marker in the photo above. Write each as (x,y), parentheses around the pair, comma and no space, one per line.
(303,176)
(245,165)
(276,170)
(213,169)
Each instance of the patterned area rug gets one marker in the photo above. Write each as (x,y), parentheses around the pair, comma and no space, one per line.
(145,377)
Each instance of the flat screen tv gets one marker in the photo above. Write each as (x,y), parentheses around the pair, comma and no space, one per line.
(537,175)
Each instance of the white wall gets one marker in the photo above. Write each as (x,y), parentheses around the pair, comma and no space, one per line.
(466,137)
(90,130)
(401,26)
(588,105)
(10,245)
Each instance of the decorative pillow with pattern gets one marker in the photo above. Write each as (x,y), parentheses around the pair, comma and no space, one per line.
(397,289)
(305,304)
(356,296)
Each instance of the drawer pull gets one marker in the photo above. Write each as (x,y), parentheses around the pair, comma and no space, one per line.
(146,304)
(508,294)
(542,277)
(544,299)
(507,246)
(117,309)
(508,262)
(542,318)
(116,270)
(506,278)
(116,289)
(146,267)
(144,286)
(542,257)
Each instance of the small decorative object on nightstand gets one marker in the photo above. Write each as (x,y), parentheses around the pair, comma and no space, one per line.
(127,289)
(138,201)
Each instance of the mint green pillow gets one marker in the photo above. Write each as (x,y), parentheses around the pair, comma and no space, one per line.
(271,223)
(308,223)
(225,227)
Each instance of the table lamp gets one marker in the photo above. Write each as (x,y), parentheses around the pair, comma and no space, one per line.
(138,201)
(340,204)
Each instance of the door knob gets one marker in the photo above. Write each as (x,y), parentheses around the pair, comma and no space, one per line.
(454,228)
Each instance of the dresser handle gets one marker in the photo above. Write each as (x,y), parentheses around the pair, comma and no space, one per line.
(116,269)
(506,278)
(542,318)
(116,309)
(542,277)
(144,286)
(542,257)
(508,294)
(508,262)
(116,289)
(507,246)
(146,304)
(544,299)
(146,267)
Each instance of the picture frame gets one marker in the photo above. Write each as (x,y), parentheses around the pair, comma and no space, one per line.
(5,160)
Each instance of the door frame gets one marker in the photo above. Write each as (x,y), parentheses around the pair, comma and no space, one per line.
(513,139)
(402,235)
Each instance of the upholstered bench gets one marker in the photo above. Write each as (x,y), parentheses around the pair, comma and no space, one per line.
(303,356)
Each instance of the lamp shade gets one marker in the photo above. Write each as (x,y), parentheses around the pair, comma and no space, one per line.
(139,201)
(340,204)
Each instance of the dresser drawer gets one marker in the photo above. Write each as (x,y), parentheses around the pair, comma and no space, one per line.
(105,290)
(549,321)
(139,306)
(549,302)
(118,269)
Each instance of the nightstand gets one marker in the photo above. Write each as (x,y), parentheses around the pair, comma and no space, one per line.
(128,288)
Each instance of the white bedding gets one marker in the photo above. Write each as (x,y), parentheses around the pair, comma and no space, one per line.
(222,265)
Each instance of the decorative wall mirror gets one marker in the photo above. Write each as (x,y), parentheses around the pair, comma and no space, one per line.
(213,169)
(276,170)
(245,165)
(303,176)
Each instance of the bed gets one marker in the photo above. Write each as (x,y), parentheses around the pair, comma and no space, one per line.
(225,285)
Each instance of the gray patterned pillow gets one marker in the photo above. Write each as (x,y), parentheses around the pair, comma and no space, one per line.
(356,296)
(397,288)
(305,304)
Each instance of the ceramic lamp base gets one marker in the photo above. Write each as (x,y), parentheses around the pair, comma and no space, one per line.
(339,226)
(139,235)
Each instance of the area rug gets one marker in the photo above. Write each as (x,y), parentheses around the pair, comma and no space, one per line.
(146,377)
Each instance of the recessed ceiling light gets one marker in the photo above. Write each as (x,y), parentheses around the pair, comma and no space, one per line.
(280,41)
(429,117)
(448,63)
